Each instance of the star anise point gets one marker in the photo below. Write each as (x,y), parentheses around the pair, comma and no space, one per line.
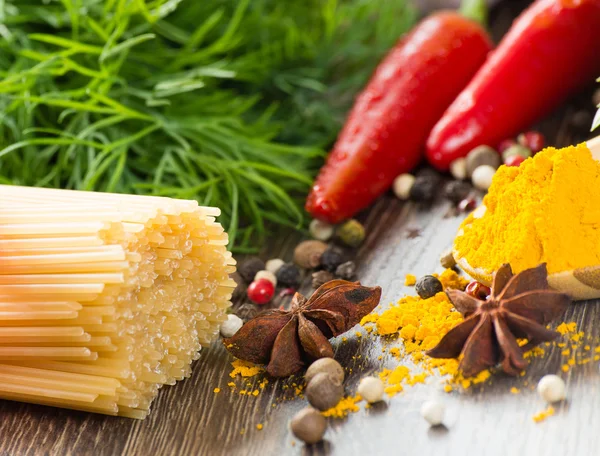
(519,307)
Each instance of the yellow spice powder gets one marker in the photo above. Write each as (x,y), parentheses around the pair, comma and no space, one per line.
(344,407)
(541,416)
(410,280)
(245,369)
(545,210)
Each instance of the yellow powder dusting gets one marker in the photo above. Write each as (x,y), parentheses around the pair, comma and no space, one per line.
(410,280)
(515,390)
(344,407)
(395,352)
(255,393)
(259,427)
(535,352)
(420,323)
(448,388)
(245,369)
(217,390)
(393,390)
(263,383)
(521,201)
(541,416)
(451,279)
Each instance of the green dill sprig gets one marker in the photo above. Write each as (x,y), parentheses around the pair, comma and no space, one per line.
(230,102)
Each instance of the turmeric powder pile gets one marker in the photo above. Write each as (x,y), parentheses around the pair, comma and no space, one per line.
(545,210)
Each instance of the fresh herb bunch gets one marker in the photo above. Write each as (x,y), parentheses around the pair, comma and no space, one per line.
(230,102)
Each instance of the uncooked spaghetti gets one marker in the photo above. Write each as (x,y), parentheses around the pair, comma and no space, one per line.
(104,298)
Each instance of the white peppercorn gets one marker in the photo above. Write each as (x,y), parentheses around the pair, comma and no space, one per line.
(552,388)
(231,325)
(371,389)
(402,185)
(458,169)
(447,259)
(322,231)
(482,177)
(264,274)
(433,412)
(274,264)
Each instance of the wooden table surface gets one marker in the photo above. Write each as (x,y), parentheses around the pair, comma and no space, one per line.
(189,419)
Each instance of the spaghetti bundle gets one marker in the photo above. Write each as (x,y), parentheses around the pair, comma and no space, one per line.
(105,298)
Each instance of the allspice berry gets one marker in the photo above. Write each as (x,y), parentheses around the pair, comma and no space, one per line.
(324,391)
(327,366)
(480,156)
(308,425)
(308,254)
(428,286)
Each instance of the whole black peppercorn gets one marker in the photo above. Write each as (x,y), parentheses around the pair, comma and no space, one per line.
(428,173)
(346,270)
(331,259)
(428,286)
(248,268)
(456,191)
(581,121)
(288,275)
(423,189)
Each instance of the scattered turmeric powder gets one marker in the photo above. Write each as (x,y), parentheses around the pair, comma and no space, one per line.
(259,427)
(344,407)
(410,280)
(515,390)
(452,280)
(245,369)
(217,390)
(541,416)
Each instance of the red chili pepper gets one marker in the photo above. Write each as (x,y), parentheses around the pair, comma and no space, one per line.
(549,52)
(389,123)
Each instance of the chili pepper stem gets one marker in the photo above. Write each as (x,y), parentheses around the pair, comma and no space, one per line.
(475,9)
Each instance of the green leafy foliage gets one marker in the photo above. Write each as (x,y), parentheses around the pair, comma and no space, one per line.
(230,102)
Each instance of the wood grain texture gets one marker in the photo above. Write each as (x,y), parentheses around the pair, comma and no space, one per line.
(189,419)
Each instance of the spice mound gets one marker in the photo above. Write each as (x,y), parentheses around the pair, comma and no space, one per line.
(544,211)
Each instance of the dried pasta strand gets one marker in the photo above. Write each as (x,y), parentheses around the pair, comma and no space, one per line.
(105,298)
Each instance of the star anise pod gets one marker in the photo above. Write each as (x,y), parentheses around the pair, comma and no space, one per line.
(286,340)
(520,306)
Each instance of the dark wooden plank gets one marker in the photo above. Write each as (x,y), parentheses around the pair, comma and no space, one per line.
(189,418)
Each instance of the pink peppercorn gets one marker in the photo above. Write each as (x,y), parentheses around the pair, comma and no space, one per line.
(287,292)
(533,140)
(261,291)
(514,160)
(478,290)
(467,205)
(505,144)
